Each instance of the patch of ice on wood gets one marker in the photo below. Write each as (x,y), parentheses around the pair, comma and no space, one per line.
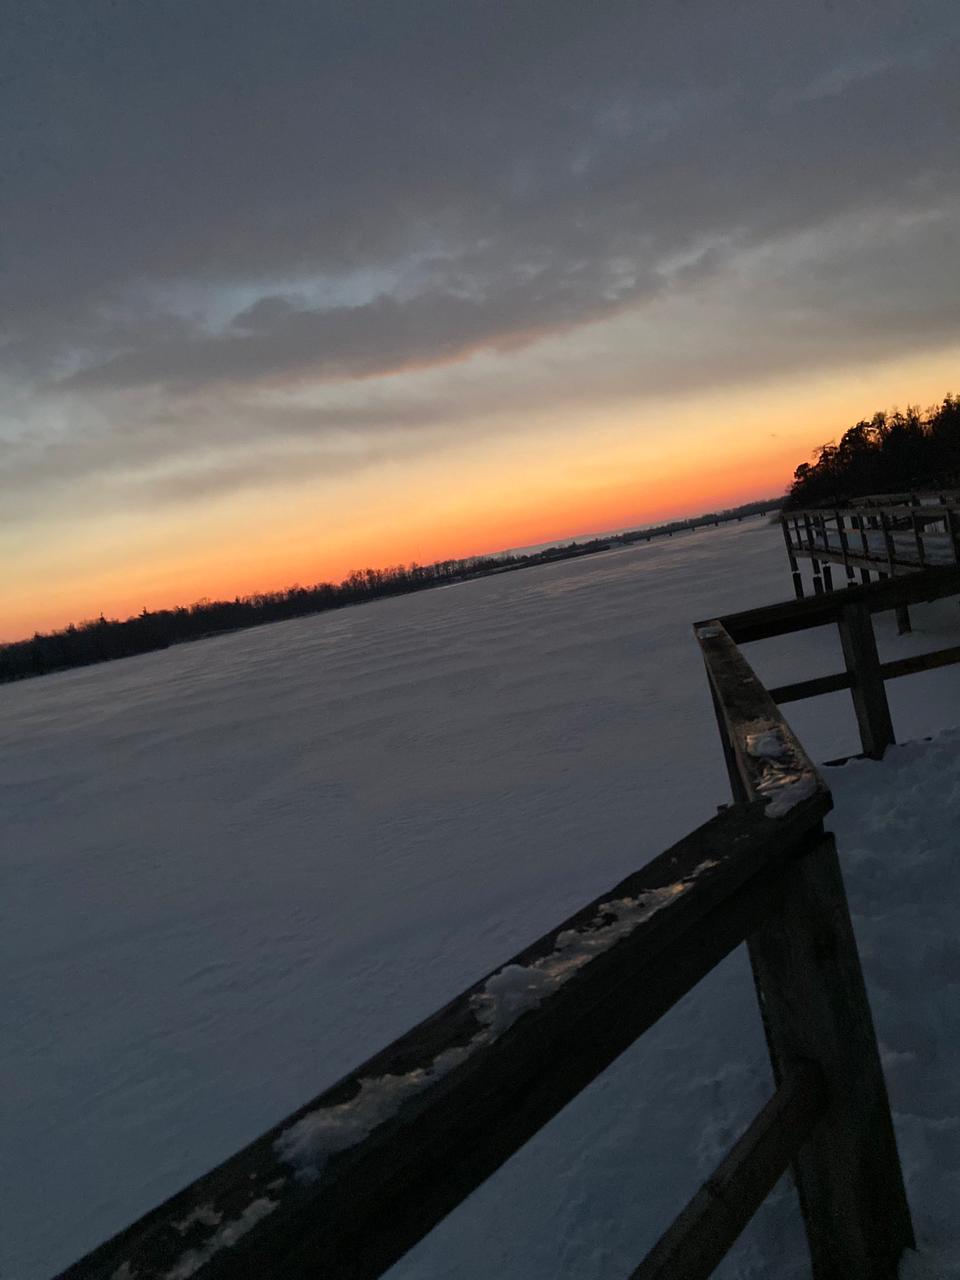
(708,633)
(124,1272)
(517,988)
(508,994)
(231,1231)
(784,791)
(783,784)
(204,1214)
(769,744)
(309,1143)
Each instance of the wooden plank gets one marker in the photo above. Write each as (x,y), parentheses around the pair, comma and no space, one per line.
(874,561)
(705,1230)
(863,665)
(953,528)
(864,541)
(375,1199)
(792,561)
(933,510)
(811,688)
(814,1005)
(737,786)
(826,570)
(844,545)
(765,753)
(920,662)
(814,560)
(888,543)
(800,615)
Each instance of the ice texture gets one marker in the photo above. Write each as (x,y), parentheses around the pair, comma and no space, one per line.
(768,744)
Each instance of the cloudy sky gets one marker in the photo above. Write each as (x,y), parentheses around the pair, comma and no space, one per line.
(290,288)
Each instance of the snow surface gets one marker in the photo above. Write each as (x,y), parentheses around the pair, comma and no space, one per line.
(237,868)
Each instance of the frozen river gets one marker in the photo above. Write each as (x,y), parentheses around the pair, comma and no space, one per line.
(234,869)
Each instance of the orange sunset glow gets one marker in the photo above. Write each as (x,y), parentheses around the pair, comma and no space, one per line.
(627,466)
(376,310)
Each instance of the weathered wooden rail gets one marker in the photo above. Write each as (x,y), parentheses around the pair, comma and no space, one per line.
(851,611)
(898,535)
(346,1185)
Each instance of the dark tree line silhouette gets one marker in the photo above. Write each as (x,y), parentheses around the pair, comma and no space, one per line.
(893,452)
(691,523)
(102,639)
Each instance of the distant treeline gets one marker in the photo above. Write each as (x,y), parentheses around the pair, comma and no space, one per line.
(102,639)
(699,522)
(891,453)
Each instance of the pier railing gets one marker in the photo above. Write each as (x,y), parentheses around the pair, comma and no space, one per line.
(346,1185)
(884,538)
(851,611)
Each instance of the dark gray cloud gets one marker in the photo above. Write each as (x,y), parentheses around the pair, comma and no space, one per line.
(822,306)
(203,196)
(275,337)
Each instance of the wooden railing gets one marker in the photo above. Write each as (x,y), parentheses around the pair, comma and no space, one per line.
(885,539)
(851,611)
(911,498)
(350,1182)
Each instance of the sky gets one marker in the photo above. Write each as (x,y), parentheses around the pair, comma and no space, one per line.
(294,288)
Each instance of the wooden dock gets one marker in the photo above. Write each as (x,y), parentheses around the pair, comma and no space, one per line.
(885,536)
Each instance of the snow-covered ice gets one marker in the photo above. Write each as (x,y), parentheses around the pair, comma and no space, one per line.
(235,869)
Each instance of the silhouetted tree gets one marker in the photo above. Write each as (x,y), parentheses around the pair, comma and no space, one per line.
(893,452)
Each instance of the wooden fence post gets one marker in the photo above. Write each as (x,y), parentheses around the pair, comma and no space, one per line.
(867,688)
(888,541)
(814,1006)
(827,570)
(918,538)
(902,611)
(814,559)
(954,533)
(864,544)
(844,545)
(792,559)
